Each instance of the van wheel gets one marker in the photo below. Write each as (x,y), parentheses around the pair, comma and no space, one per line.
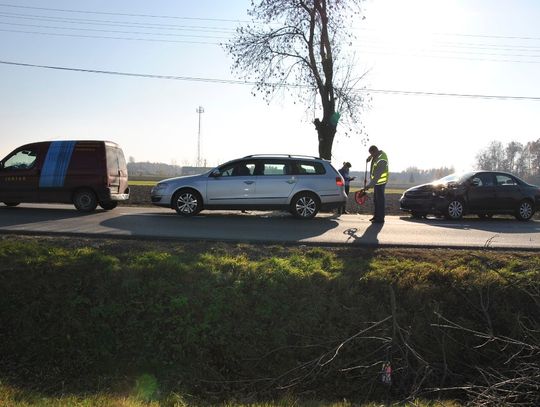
(187,202)
(108,205)
(85,200)
(11,203)
(305,205)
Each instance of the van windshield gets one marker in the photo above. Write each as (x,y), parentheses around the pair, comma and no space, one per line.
(21,160)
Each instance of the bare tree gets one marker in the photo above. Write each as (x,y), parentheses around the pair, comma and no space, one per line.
(299,44)
(513,153)
(534,156)
(491,158)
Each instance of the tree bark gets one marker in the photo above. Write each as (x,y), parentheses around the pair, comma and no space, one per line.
(326,133)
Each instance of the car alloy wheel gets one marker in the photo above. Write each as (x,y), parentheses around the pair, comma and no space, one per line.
(187,203)
(525,210)
(455,209)
(305,206)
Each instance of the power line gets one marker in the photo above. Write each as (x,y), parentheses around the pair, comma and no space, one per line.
(109,37)
(239,82)
(120,14)
(111,31)
(86,21)
(526,52)
(511,37)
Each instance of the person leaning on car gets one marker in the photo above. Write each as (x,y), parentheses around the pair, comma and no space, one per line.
(378,179)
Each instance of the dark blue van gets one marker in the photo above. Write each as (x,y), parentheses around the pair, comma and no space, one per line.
(85,173)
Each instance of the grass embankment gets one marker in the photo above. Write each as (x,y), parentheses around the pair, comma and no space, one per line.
(121,323)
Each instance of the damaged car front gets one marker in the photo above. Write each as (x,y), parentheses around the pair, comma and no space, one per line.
(444,197)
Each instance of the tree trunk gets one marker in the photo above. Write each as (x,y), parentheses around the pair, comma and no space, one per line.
(326,134)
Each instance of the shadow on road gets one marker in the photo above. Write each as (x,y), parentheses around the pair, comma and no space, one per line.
(496,224)
(13,216)
(369,237)
(237,226)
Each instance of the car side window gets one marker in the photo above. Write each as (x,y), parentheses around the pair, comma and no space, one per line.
(483,180)
(268,168)
(505,180)
(21,160)
(309,168)
(477,181)
(237,169)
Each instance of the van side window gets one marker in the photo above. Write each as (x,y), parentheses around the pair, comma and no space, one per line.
(21,160)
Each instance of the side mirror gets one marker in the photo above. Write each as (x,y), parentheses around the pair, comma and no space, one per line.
(475,182)
(215,173)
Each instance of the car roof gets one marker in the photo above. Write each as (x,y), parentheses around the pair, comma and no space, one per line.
(283,156)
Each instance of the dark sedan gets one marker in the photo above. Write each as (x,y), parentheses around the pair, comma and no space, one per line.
(484,193)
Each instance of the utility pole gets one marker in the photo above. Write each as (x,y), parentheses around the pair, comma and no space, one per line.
(199,110)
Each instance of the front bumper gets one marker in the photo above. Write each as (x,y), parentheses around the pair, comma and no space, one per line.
(433,205)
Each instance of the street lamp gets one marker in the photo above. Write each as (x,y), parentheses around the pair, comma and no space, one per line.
(200,111)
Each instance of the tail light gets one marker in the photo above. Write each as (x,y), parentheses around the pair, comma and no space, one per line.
(339,182)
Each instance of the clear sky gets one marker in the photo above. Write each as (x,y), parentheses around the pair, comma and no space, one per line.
(466,47)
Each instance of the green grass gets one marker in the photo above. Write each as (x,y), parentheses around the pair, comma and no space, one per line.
(142,183)
(98,322)
(17,398)
(387,190)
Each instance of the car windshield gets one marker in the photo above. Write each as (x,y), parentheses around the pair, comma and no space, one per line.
(455,177)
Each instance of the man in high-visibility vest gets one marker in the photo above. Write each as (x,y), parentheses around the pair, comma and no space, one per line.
(378,179)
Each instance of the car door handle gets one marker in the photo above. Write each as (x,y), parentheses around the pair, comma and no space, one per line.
(249,182)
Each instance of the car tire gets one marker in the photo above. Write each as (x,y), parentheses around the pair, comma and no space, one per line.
(417,215)
(305,205)
(85,200)
(455,209)
(525,210)
(187,202)
(108,205)
(11,204)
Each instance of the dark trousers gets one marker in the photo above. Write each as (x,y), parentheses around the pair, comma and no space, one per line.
(344,207)
(379,203)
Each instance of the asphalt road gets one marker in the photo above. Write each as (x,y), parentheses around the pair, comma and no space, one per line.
(276,227)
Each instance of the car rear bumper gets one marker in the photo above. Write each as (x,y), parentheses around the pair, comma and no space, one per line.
(118,197)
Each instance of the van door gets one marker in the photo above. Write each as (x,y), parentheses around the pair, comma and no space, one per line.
(117,173)
(19,175)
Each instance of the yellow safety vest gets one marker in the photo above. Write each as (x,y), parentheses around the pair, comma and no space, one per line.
(374,163)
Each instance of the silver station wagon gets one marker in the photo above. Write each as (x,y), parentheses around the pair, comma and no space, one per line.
(302,185)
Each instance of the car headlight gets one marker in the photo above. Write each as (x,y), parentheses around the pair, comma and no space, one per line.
(159,188)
